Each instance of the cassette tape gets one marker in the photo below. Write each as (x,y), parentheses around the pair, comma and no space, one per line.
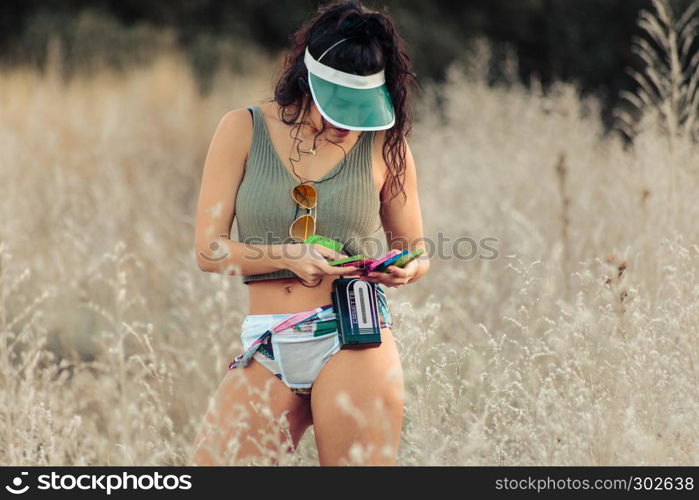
(357,309)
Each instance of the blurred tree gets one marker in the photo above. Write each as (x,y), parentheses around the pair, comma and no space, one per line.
(583,40)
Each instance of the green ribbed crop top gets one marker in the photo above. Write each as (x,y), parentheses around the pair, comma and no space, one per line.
(348,203)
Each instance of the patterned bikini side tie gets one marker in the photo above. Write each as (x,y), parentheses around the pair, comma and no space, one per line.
(243,359)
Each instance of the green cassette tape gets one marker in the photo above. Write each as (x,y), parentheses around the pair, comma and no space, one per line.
(326,242)
(356,306)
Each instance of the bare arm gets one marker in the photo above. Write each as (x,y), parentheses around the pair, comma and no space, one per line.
(403,222)
(223,172)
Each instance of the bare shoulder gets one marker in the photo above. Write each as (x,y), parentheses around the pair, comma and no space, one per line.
(380,137)
(233,136)
(237,122)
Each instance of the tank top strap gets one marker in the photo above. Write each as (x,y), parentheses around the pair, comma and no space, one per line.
(258,132)
(257,117)
(367,145)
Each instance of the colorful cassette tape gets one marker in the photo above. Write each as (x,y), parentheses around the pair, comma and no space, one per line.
(383,259)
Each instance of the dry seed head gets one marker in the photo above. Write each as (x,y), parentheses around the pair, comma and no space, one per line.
(561,166)
(621,268)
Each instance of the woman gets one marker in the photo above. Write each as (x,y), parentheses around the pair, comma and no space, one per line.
(346,86)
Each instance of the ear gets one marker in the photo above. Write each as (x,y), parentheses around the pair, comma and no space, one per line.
(303,85)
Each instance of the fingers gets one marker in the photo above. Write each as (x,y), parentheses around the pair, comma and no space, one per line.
(351,276)
(398,271)
(328,253)
(390,279)
(344,270)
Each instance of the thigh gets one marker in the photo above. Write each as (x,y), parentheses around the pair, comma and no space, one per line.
(242,422)
(357,405)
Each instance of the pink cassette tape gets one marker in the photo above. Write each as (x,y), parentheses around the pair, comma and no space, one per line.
(383,259)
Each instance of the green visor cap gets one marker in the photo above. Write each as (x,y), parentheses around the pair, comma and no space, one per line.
(350,101)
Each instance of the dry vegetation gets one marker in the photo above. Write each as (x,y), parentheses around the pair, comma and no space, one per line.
(578,344)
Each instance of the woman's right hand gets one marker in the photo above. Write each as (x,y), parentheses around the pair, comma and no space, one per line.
(309,261)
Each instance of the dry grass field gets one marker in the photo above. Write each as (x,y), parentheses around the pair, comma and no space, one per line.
(569,337)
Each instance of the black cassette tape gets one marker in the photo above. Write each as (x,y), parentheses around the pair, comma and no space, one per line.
(356,305)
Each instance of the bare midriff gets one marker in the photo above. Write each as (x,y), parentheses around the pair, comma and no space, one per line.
(288,295)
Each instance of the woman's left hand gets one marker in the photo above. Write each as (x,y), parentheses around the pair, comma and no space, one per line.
(395,277)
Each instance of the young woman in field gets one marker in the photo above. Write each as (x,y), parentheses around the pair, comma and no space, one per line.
(341,108)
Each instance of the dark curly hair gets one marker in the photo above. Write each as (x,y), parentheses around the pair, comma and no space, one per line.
(374,45)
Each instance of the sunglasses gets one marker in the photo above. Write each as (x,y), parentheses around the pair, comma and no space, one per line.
(305,196)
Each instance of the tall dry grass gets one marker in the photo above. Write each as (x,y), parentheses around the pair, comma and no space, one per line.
(577,344)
